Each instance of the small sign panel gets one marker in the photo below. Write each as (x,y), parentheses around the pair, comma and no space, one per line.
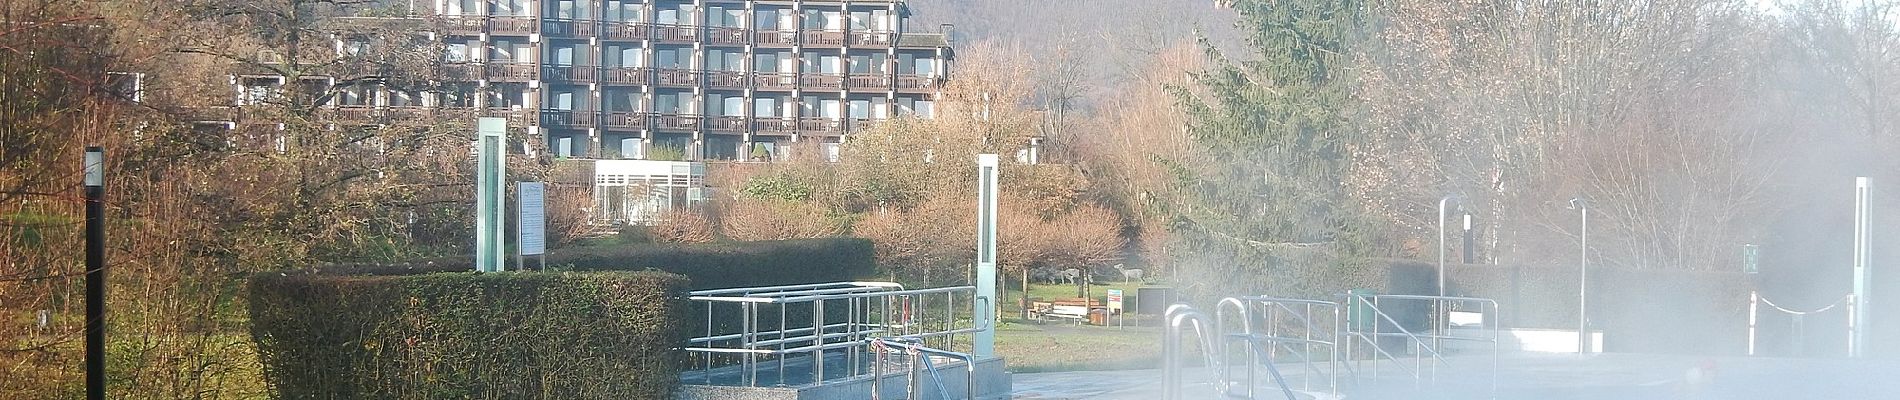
(532,217)
(1115,300)
(1751,258)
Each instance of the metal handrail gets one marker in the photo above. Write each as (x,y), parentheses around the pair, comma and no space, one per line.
(1254,353)
(870,309)
(917,352)
(1371,302)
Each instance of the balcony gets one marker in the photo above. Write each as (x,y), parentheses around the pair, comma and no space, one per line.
(727,36)
(570,28)
(511,72)
(624,120)
(678,77)
(409,115)
(774,126)
(821,81)
(570,73)
(820,126)
(625,76)
(872,38)
(918,82)
(726,124)
(626,31)
(774,81)
(515,116)
(726,79)
(522,26)
(775,38)
(824,38)
(869,81)
(463,25)
(463,72)
(358,114)
(685,34)
(569,119)
(676,122)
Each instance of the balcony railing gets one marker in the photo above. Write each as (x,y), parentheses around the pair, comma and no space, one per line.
(625,76)
(775,38)
(626,31)
(726,124)
(573,28)
(575,119)
(358,114)
(775,81)
(824,38)
(727,36)
(678,77)
(461,71)
(821,81)
(571,73)
(869,81)
(821,125)
(515,116)
(917,82)
(774,126)
(409,114)
(463,24)
(511,72)
(872,38)
(683,122)
(726,79)
(677,33)
(624,120)
(512,25)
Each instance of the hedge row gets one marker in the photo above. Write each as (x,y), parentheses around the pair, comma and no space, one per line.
(709,265)
(606,335)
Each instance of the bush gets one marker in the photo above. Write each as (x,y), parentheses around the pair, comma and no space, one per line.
(468,335)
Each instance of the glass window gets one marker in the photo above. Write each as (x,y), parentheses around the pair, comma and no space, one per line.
(860,20)
(860,109)
(765,107)
(767,63)
(765,19)
(832,64)
(734,106)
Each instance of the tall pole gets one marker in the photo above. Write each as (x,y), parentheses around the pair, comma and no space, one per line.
(95,273)
(490,194)
(1857,320)
(1583,276)
(984,343)
(1441,243)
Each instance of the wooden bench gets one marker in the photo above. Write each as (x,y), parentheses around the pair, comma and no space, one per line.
(1076,309)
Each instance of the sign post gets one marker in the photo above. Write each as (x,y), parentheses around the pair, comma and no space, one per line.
(490,170)
(1751,259)
(531,223)
(1857,319)
(95,181)
(984,343)
(1115,307)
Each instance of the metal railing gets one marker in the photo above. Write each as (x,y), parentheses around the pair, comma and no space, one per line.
(858,312)
(1293,325)
(1426,346)
(915,354)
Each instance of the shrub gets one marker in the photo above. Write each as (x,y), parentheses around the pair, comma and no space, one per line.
(681,226)
(771,219)
(468,335)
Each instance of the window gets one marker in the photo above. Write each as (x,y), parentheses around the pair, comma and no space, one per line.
(258,89)
(562,56)
(831,152)
(720,16)
(624,56)
(675,16)
(725,60)
(457,52)
(674,103)
(630,148)
(925,108)
(766,19)
(734,106)
(405,98)
(623,11)
(832,64)
(868,63)
(622,100)
(765,63)
(765,107)
(860,20)
(462,7)
(459,95)
(678,58)
(359,95)
(562,100)
(830,108)
(126,85)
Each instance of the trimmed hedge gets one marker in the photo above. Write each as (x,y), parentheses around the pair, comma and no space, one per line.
(607,335)
(709,265)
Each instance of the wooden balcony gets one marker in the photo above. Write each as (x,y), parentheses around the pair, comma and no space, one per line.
(624,120)
(625,76)
(568,119)
(726,124)
(678,77)
(869,81)
(522,26)
(409,115)
(511,72)
(625,31)
(824,38)
(728,36)
(676,122)
(570,73)
(820,126)
(515,116)
(677,33)
(872,38)
(726,79)
(463,25)
(465,72)
(775,38)
(821,81)
(918,82)
(570,28)
(774,81)
(358,114)
(774,126)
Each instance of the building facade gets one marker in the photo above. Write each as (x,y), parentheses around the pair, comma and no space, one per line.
(666,79)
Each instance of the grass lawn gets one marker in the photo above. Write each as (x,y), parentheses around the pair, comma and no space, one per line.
(1051,346)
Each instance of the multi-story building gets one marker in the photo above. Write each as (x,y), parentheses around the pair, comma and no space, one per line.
(668,79)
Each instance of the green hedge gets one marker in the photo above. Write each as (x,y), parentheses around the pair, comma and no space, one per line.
(709,265)
(606,335)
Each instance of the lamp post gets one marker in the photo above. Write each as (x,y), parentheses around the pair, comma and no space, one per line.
(95,273)
(1583,275)
(1442,201)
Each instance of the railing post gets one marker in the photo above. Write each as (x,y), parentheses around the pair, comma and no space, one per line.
(1754,310)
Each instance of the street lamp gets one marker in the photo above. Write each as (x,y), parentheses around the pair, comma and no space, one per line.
(1583,274)
(95,182)
(1442,201)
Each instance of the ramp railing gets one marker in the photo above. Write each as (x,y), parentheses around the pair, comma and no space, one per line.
(1368,322)
(782,325)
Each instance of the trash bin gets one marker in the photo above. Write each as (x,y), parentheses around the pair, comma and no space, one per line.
(1098,317)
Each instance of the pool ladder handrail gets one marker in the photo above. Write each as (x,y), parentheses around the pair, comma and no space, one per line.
(1172,375)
